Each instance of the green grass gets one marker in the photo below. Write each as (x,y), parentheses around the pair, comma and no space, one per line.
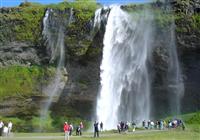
(49,124)
(190,118)
(138,135)
(55,123)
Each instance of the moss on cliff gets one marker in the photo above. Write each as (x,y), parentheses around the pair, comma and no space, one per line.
(21,23)
(196,21)
(187,20)
(79,31)
(23,81)
(24,23)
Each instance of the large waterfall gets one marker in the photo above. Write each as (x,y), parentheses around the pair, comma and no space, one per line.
(127,67)
(125,81)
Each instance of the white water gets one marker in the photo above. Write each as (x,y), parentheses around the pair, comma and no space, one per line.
(56,86)
(125,83)
(51,39)
(97,18)
(55,42)
(101,15)
(175,80)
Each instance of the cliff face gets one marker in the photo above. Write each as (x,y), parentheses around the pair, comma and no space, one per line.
(186,33)
(23,46)
(26,58)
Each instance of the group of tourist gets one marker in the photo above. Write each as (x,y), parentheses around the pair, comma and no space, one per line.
(162,124)
(124,126)
(68,129)
(159,124)
(5,130)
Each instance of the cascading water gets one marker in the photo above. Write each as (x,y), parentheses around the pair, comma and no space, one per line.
(97,19)
(125,82)
(53,32)
(56,86)
(175,80)
(100,18)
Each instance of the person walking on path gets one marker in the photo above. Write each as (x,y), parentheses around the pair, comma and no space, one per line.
(96,129)
(66,129)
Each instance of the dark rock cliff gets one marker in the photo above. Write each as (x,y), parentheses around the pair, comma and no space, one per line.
(187,35)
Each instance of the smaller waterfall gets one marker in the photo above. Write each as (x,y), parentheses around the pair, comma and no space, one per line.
(55,87)
(71,16)
(97,19)
(53,32)
(175,80)
(101,16)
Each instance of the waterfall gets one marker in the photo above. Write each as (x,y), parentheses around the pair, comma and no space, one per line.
(101,16)
(175,80)
(125,81)
(97,18)
(53,32)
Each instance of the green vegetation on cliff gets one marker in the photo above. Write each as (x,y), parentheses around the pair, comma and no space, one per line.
(21,23)
(25,83)
(196,22)
(22,80)
(24,23)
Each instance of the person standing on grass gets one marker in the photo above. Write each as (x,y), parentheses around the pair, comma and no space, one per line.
(96,129)
(71,129)
(66,129)
(101,126)
(143,123)
(78,130)
(1,127)
(119,127)
(81,128)
(5,131)
(9,127)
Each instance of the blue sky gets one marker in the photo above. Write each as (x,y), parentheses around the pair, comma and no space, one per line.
(10,3)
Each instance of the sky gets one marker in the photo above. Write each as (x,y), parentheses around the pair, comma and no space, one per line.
(11,3)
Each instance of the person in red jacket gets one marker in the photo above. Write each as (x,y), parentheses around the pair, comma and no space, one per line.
(66,129)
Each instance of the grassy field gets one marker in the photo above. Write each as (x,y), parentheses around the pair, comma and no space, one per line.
(191,133)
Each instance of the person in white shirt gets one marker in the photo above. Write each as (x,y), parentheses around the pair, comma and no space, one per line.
(1,127)
(5,131)
(9,127)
